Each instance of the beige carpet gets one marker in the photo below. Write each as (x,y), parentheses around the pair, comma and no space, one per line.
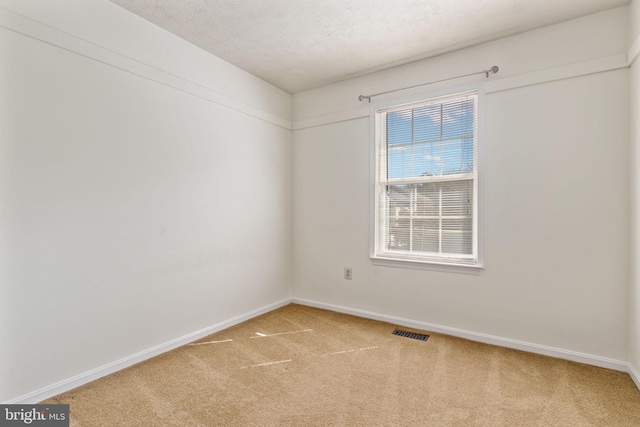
(300,366)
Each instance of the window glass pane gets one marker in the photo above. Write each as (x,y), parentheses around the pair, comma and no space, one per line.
(431,140)
(457,243)
(457,198)
(425,235)
(434,145)
(430,217)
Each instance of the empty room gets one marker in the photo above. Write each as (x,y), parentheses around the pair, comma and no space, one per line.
(322,212)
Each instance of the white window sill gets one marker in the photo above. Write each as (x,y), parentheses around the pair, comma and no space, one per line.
(424,265)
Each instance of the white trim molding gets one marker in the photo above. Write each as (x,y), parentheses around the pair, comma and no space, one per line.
(633,52)
(559,353)
(584,68)
(497,84)
(37,31)
(331,118)
(433,266)
(94,374)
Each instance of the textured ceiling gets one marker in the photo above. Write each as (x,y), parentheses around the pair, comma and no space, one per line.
(301,44)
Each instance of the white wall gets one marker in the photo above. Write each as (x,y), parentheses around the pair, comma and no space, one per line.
(634,21)
(634,162)
(555,194)
(145,190)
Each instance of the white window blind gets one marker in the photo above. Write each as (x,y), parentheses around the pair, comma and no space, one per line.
(427,180)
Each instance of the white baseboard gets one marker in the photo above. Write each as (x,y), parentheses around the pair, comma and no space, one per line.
(633,374)
(560,353)
(94,374)
(86,377)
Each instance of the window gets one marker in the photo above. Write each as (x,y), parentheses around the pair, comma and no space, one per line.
(427,181)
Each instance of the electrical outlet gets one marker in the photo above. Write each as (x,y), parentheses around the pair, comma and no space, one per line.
(348,274)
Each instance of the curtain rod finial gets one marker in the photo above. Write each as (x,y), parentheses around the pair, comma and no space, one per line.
(362,98)
(491,70)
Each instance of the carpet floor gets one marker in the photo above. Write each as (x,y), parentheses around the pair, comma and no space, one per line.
(302,366)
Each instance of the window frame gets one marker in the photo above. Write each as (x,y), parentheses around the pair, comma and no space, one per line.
(428,264)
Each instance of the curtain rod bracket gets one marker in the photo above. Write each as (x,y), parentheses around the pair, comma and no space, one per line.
(492,70)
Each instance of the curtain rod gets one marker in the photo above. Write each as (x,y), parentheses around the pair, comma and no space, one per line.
(491,70)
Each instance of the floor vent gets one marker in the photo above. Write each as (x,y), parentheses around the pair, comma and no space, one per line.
(412,335)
